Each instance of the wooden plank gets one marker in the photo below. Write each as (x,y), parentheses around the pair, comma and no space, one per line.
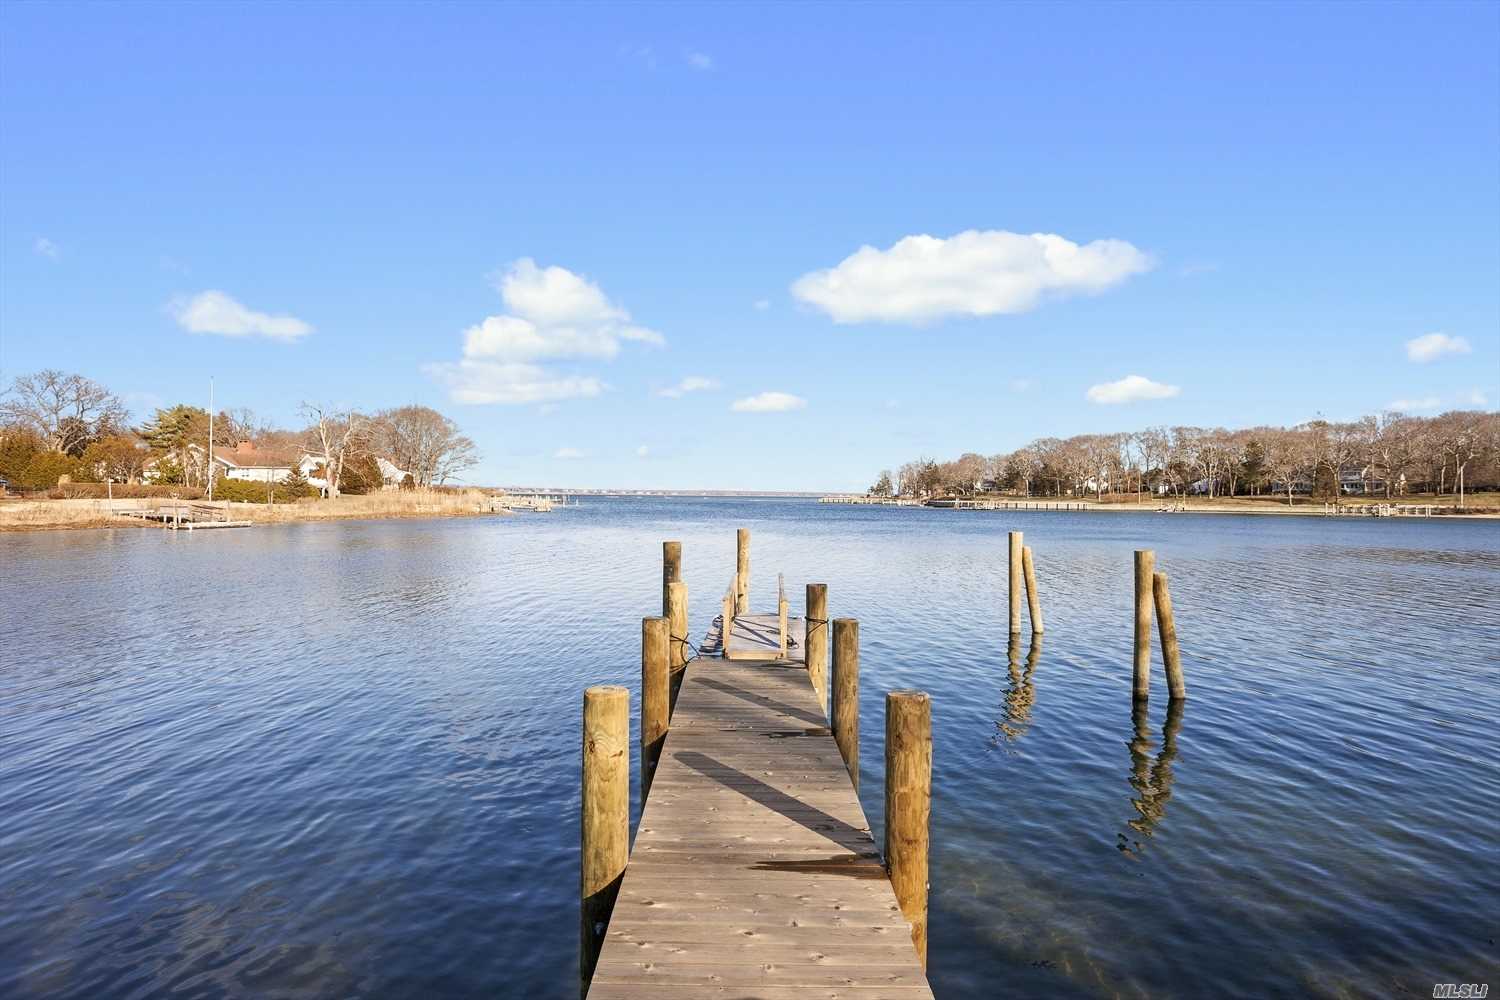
(758,637)
(753,871)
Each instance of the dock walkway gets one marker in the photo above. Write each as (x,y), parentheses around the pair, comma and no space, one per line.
(753,872)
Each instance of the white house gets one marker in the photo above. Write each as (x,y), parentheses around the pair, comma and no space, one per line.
(246,461)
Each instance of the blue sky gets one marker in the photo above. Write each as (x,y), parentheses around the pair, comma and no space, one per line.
(1256,206)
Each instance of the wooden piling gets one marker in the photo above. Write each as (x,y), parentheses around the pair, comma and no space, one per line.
(726,622)
(605,842)
(815,641)
(780,616)
(742,572)
(656,695)
(677,623)
(1015,582)
(1171,656)
(1033,599)
(1145,564)
(908,805)
(671,570)
(846,693)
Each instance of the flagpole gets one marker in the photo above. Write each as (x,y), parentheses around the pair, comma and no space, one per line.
(210,439)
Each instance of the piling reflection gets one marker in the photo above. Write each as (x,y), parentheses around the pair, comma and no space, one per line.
(1152,780)
(1020,694)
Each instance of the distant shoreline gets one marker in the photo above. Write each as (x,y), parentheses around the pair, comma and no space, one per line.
(1348,509)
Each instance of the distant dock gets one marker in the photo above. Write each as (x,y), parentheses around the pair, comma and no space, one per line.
(954,503)
(185,515)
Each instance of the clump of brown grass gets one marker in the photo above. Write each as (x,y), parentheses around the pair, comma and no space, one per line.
(38,515)
(396,503)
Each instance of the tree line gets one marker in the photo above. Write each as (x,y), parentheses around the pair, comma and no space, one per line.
(1388,455)
(55,424)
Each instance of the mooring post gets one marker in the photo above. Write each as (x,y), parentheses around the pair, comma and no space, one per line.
(1171,656)
(908,805)
(726,621)
(1015,582)
(671,570)
(1145,564)
(846,693)
(656,695)
(677,622)
(780,616)
(815,641)
(1033,599)
(742,572)
(605,843)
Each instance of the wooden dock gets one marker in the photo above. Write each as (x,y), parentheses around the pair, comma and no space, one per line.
(186,515)
(753,872)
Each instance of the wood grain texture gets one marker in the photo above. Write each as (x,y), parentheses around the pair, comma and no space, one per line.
(1033,599)
(816,640)
(1171,655)
(1145,566)
(656,695)
(754,873)
(1015,581)
(605,810)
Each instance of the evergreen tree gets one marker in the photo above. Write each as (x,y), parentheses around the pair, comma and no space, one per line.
(295,485)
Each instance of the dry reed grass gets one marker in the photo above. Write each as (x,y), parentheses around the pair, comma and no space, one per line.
(40,515)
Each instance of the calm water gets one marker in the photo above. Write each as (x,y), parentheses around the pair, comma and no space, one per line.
(341,759)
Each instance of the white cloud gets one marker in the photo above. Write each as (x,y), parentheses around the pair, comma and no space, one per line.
(1131,389)
(768,402)
(692,383)
(1020,384)
(701,61)
(46,248)
(215,312)
(921,279)
(642,451)
(762,304)
(568,454)
(1431,346)
(1414,405)
(471,381)
(552,313)
(1477,397)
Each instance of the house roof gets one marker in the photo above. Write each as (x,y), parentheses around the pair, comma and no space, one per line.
(246,456)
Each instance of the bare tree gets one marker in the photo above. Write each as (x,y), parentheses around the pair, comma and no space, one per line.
(423,442)
(338,434)
(1286,456)
(68,411)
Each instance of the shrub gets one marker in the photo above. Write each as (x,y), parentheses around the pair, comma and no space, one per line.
(360,475)
(250,491)
(122,491)
(45,469)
